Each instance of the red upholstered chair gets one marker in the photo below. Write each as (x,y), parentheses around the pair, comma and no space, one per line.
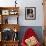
(28,34)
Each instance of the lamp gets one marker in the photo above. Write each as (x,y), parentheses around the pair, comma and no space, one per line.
(15,3)
(15,34)
(15,30)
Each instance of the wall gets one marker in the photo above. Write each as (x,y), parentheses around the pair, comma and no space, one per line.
(37,24)
(26,3)
(39,12)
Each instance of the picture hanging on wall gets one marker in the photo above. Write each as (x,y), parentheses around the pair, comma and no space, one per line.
(30,13)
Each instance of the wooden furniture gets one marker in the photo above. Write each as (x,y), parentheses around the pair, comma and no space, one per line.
(0,43)
(45,37)
(6,12)
(11,26)
(44,8)
(5,23)
(10,43)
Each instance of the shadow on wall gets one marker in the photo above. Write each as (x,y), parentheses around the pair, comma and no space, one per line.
(37,29)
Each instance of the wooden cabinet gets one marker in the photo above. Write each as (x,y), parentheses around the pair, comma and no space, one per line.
(10,43)
(9,23)
(7,13)
(44,37)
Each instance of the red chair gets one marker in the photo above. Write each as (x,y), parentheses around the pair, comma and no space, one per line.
(29,33)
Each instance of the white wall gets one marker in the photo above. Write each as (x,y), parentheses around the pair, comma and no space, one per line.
(27,3)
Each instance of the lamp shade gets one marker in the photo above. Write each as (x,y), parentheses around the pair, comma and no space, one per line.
(15,30)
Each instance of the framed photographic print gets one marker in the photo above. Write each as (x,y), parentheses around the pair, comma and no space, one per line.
(5,12)
(30,13)
(13,12)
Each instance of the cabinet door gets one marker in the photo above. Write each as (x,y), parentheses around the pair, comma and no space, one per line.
(10,44)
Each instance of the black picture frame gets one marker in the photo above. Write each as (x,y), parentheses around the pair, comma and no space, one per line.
(30,13)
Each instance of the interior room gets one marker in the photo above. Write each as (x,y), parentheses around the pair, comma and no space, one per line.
(22,23)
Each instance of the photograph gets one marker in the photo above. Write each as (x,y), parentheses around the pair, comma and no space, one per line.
(30,13)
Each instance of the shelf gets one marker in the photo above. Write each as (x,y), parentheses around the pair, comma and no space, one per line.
(9,10)
(6,12)
(10,19)
(8,26)
(11,41)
